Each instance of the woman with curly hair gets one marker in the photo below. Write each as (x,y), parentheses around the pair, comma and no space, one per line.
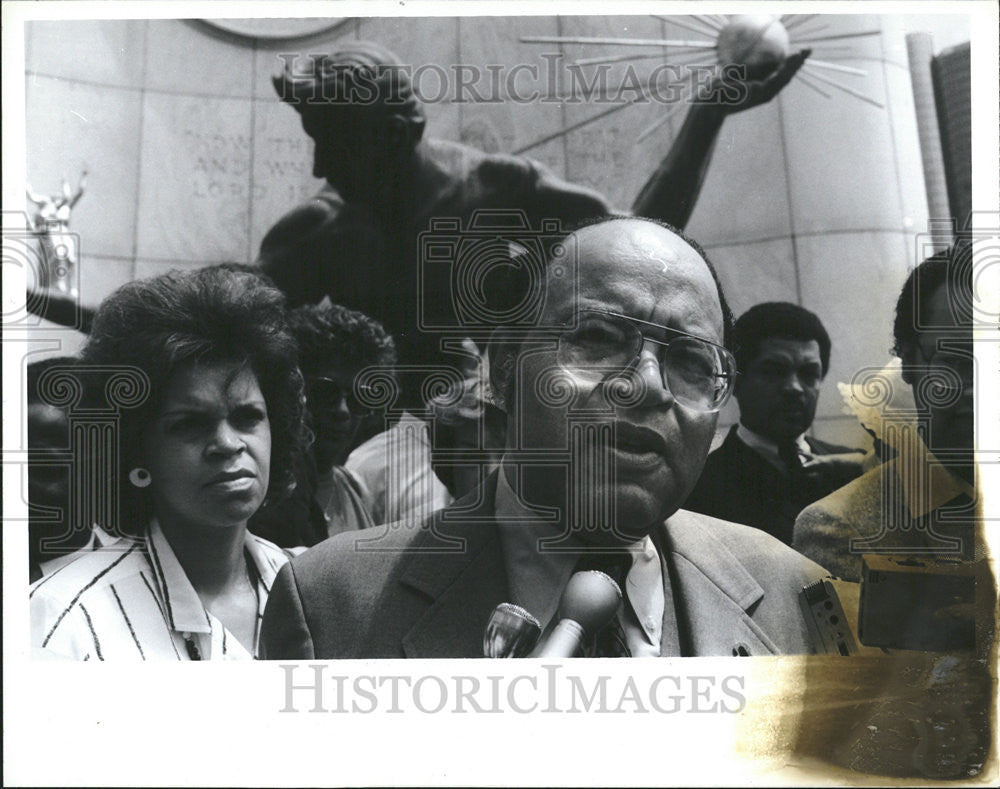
(215,438)
(335,346)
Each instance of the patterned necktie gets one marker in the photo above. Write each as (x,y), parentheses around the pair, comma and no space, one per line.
(611,641)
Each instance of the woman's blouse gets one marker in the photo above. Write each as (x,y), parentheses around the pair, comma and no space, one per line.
(131,600)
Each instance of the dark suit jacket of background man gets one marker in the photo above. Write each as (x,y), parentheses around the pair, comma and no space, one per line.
(735,590)
(368,258)
(739,485)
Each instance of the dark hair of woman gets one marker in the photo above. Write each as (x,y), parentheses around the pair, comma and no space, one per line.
(208,316)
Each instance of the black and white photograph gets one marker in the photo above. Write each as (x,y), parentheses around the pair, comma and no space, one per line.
(500,393)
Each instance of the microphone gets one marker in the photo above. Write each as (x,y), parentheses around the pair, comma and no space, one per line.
(588,604)
(510,633)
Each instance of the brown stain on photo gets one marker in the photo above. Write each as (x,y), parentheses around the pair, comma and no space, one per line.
(906,717)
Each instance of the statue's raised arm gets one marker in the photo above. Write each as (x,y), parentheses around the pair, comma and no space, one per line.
(671,192)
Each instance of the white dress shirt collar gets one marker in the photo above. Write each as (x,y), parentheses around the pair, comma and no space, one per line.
(537,573)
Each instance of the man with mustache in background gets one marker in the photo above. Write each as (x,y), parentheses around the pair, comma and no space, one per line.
(768,469)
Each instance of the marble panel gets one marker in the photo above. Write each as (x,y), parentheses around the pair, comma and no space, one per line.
(510,106)
(71,127)
(754,272)
(282,168)
(841,166)
(852,281)
(745,192)
(194,198)
(605,154)
(99,276)
(427,44)
(834,37)
(106,51)
(185,58)
(153,268)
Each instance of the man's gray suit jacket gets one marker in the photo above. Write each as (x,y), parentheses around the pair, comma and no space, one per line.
(427,590)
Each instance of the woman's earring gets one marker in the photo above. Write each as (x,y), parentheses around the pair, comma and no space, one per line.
(140,477)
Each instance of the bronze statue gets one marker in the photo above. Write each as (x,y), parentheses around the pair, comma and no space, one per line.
(359,239)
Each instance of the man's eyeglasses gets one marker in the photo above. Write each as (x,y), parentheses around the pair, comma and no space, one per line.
(327,393)
(603,345)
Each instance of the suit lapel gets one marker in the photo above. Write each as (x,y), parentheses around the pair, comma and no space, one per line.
(713,592)
(463,584)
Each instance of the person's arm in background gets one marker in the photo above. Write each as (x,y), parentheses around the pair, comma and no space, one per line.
(825,536)
(292,246)
(60,308)
(325,247)
(672,191)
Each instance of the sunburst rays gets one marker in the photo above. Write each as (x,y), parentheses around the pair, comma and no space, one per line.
(804,30)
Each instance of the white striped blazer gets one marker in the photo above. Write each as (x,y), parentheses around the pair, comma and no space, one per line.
(131,600)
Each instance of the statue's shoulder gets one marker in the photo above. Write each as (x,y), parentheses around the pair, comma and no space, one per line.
(324,215)
(467,162)
(325,206)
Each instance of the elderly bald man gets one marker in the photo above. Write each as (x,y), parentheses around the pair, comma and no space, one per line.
(612,391)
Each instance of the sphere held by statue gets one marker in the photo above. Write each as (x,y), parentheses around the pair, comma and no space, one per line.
(757,41)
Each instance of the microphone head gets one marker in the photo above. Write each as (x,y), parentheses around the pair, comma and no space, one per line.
(591,599)
(510,633)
